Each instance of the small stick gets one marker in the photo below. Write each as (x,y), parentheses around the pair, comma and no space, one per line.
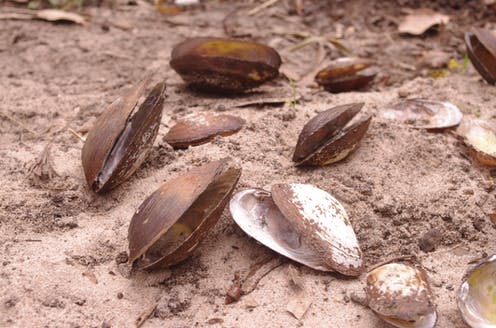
(261,7)
(75,133)
(19,123)
(299,7)
(146,314)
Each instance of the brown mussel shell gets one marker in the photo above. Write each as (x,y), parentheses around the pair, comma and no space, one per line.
(481,49)
(327,138)
(122,137)
(346,74)
(224,65)
(201,128)
(171,222)
(323,126)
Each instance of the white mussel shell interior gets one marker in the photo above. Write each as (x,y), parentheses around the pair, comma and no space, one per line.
(480,135)
(399,294)
(255,212)
(477,295)
(425,114)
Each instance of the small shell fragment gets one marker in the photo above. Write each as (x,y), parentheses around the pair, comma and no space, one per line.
(346,74)
(425,113)
(171,222)
(400,295)
(301,222)
(224,65)
(122,137)
(480,138)
(481,49)
(201,128)
(331,136)
(477,294)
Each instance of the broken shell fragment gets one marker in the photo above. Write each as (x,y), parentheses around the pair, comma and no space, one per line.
(331,135)
(122,137)
(201,128)
(171,222)
(301,222)
(425,113)
(224,65)
(481,49)
(477,294)
(346,74)
(400,295)
(480,138)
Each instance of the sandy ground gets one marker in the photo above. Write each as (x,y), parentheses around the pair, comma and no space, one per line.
(62,246)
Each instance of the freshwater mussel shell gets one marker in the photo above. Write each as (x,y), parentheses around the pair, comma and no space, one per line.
(323,126)
(480,138)
(122,137)
(301,222)
(425,113)
(328,138)
(346,74)
(224,65)
(171,222)
(399,293)
(200,128)
(481,49)
(477,294)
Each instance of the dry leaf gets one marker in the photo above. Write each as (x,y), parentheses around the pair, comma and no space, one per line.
(250,303)
(55,15)
(91,276)
(492,217)
(41,170)
(298,305)
(295,277)
(418,21)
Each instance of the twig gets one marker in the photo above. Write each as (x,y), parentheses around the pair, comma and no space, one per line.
(269,264)
(299,7)
(15,16)
(75,133)
(146,314)
(19,123)
(261,7)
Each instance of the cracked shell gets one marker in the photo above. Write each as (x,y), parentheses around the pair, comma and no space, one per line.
(477,294)
(425,113)
(171,222)
(224,65)
(200,128)
(400,295)
(480,138)
(331,136)
(122,137)
(346,74)
(301,222)
(481,49)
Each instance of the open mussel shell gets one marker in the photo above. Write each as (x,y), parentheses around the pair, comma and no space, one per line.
(224,65)
(122,137)
(331,135)
(346,74)
(425,113)
(171,222)
(480,138)
(400,295)
(200,128)
(301,222)
(481,49)
(477,294)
